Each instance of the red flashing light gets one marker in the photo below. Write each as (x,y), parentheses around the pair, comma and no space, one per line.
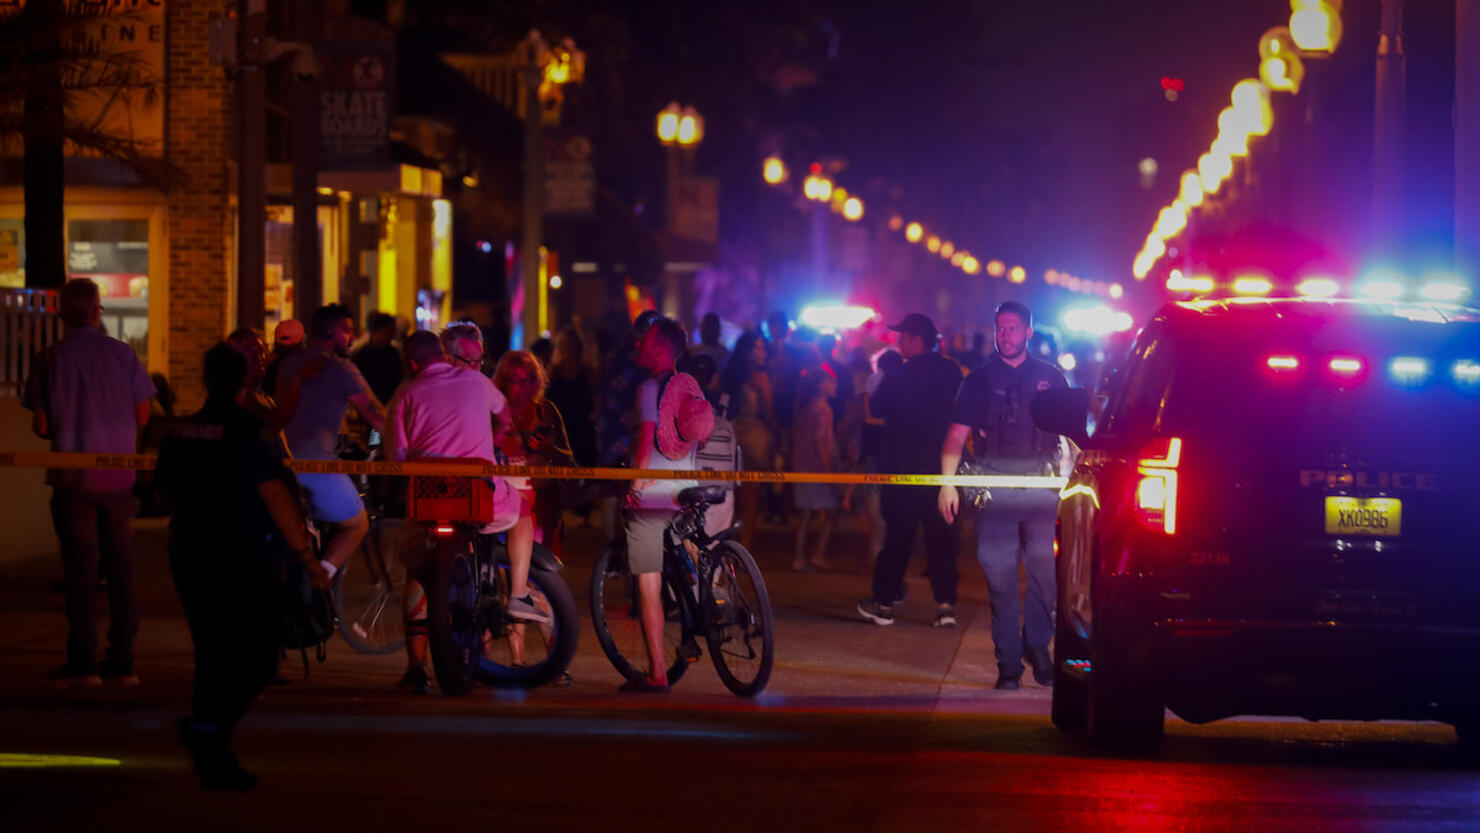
(1283,363)
(1347,368)
(1156,491)
(1171,84)
(815,169)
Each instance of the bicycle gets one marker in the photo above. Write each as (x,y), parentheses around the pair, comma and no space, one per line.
(367,589)
(711,586)
(465,574)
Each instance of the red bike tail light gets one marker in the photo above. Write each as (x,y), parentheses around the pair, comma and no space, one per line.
(444,531)
(1156,485)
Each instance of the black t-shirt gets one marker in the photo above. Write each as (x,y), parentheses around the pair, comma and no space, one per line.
(915,404)
(210,466)
(381,366)
(995,402)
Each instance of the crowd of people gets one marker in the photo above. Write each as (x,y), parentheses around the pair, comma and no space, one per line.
(904,402)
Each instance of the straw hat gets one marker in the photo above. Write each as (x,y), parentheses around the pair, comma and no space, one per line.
(685,417)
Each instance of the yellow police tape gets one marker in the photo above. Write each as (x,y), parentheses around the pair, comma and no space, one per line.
(79,460)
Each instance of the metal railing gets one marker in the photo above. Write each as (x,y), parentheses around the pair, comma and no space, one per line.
(28,324)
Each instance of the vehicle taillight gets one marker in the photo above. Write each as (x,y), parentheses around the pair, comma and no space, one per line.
(444,531)
(1156,487)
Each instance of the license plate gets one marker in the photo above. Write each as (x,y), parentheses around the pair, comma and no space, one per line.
(1375,516)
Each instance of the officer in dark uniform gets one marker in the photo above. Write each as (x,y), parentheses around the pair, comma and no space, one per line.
(992,408)
(236,519)
(914,400)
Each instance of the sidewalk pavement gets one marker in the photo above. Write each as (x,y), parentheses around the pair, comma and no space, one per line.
(827,657)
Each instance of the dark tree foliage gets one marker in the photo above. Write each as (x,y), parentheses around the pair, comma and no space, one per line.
(52,63)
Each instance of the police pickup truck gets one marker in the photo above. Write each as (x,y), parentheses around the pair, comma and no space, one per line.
(1277,513)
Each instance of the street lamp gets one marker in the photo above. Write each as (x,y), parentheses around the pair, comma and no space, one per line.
(853,209)
(668,123)
(1315,25)
(690,127)
(773,170)
(913,232)
(682,126)
(817,188)
(680,130)
(1280,67)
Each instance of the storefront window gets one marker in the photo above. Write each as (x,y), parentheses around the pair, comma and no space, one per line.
(114,254)
(13,254)
(278,275)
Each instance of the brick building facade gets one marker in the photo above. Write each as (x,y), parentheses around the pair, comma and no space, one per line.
(200,215)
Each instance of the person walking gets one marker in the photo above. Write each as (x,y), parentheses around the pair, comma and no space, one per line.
(915,403)
(89,392)
(235,523)
(1017,526)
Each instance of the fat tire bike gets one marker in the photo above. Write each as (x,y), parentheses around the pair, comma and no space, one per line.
(472,636)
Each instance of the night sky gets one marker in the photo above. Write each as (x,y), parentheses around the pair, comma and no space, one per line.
(1013,128)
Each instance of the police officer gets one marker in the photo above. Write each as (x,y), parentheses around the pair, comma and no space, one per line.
(992,408)
(236,519)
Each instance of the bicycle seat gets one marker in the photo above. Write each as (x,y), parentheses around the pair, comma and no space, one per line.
(695,495)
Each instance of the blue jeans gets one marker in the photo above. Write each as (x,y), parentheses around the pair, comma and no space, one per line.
(1018,526)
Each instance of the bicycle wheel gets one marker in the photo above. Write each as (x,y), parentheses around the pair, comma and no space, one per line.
(367,593)
(527,654)
(453,631)
(614,614)
(741,632)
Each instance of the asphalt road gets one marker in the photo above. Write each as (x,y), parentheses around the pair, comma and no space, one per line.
(862,728)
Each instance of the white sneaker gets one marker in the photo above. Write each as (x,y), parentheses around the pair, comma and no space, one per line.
(524,607)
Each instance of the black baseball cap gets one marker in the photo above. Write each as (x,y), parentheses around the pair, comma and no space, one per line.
(916,324)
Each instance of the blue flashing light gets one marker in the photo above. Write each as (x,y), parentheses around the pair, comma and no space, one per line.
(1466,373)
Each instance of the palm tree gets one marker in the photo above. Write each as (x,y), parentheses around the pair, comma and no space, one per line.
(54,64)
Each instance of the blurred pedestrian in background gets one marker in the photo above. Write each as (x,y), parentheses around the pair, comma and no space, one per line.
(616,417)
(572,389)
(543,349)
(752,412)
(287,339)
(709,340)
(814,450)
(378,360)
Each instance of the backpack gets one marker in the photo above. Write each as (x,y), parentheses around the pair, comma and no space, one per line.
(308,614)
(720,452)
